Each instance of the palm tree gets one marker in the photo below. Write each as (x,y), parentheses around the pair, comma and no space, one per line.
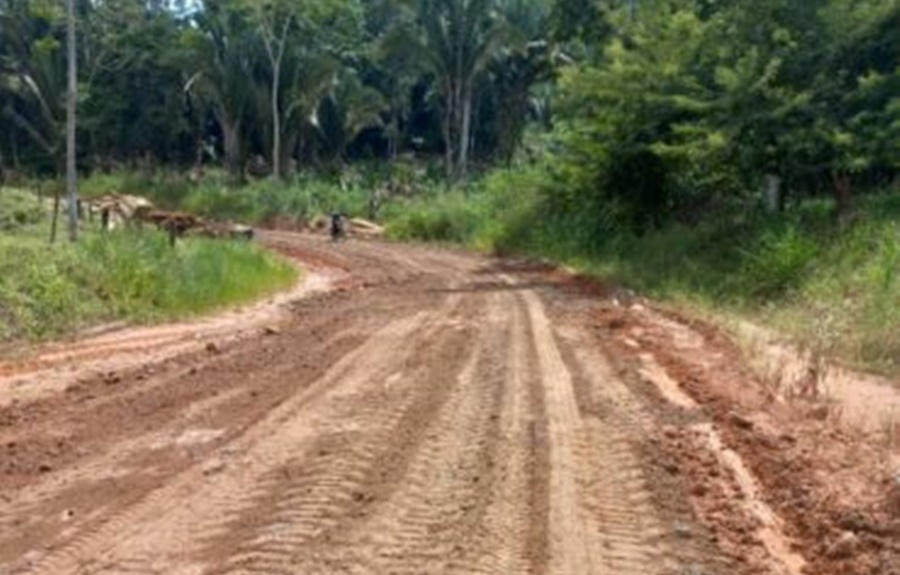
(221,55)
(309,76)
(400,68)
(348,109)
(457,39)
(524,61)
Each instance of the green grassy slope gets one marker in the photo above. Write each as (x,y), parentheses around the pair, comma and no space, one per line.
(46,291)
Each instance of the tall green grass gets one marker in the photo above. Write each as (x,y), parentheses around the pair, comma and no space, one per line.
(496,214)
(49,290)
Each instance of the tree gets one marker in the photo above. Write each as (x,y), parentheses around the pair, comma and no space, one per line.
(712,96)
(526,59)
(398,69)
(629,121)
(133,64)
(220,58)
(298,33)
(35,82)
(457,39)
(705,100)
(348,109)
(856,92)
(71,103)
(275,21)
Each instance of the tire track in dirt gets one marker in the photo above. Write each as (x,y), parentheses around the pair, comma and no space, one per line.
(511,537)
(103,400)
(637,536)
(360,460)
(149,409)
(423,526)
(611,511)
(157,532)
(569,536)
(779,551)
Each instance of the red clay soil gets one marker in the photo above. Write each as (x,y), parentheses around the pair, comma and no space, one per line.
(832,489)
(428,412)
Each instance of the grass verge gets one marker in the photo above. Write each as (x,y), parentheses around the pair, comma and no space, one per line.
(47,291)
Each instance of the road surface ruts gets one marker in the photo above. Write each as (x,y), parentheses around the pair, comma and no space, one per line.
(425,416)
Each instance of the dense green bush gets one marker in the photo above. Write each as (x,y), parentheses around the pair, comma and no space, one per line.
(449,217)
(498,213)
(777,263)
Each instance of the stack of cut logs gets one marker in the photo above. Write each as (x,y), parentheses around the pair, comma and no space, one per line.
(121,209)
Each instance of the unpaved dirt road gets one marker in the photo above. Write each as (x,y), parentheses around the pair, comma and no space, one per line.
(421,411)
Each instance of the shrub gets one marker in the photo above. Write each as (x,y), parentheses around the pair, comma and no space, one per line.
(444,218)
(778,263)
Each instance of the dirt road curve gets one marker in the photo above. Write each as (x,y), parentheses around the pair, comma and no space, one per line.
(419,412)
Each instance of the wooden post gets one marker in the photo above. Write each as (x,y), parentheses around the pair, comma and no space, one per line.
(55,214)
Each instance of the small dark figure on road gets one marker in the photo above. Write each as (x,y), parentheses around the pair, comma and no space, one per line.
(337,226)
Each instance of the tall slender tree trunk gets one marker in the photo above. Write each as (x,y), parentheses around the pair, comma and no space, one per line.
(275,44)
(394,127)
(198,153)
(454,132)
(290,145)
(392,139)
(449,154)
(464,132)
(71,100)
(276,120)
(14,145)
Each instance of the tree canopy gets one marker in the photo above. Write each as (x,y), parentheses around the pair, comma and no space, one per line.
(650,107)
(296,83)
